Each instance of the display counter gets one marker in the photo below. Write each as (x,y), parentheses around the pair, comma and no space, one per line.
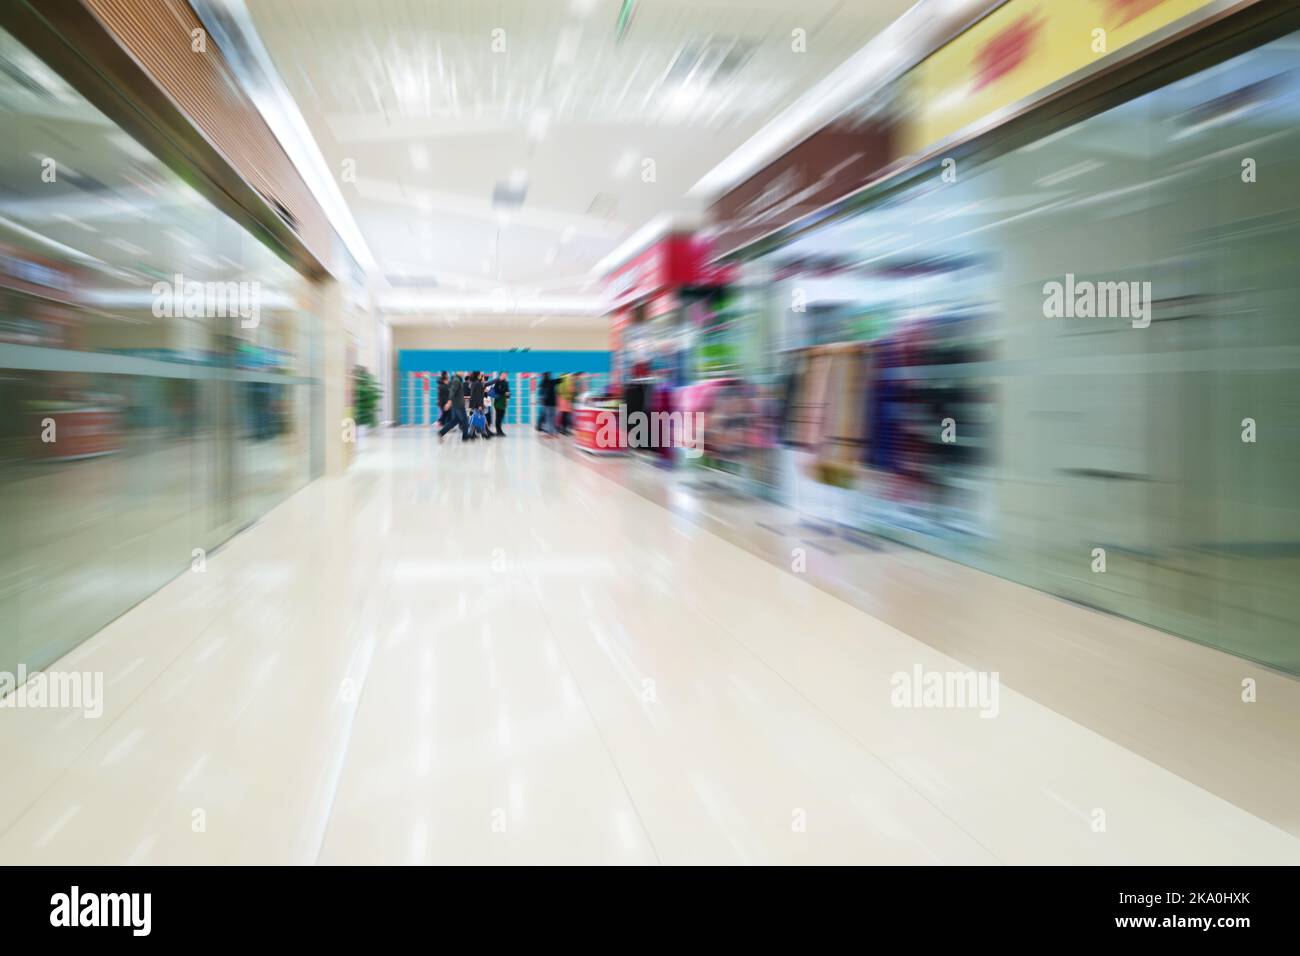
(588,417)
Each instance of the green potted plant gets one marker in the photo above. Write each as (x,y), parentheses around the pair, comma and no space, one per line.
(365,392)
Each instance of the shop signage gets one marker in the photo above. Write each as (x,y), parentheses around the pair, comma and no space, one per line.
(825,167)
(1019,49)
(674,262)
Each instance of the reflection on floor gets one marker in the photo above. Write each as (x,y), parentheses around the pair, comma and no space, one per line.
(488,652)
(1174,702)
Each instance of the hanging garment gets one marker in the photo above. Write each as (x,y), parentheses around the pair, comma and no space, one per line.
(841,445)
(809,412)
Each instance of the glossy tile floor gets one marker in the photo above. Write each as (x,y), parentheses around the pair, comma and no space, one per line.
(487,653)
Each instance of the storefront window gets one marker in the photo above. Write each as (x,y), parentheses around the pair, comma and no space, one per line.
(977,422)
(155,370)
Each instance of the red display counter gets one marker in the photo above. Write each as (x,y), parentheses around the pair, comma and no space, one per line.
(587,422)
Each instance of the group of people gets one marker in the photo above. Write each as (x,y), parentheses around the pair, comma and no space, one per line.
(555,398)
(472,401)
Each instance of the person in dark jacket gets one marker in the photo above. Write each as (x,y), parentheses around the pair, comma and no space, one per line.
(455,408)
(502,400)
(444,396)
(546,403)
(476,396)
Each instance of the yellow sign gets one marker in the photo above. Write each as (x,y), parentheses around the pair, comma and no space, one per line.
(1020,48)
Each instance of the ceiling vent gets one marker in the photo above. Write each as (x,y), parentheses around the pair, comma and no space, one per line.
(508,195)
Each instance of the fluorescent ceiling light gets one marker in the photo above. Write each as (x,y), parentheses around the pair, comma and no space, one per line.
(263,85)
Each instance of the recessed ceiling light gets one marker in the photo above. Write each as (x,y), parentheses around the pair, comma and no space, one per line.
(566,50)
(538,123)
(625,163)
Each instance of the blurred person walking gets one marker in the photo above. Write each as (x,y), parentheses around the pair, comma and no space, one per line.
(564,403)
(444,396)
(489,397)
(546,400)
(501,400)
(455,408)
(476,399)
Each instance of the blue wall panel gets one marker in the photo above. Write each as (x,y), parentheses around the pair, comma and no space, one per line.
(412,408)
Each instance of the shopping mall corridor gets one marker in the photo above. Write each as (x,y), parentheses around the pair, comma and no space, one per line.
(490,653)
